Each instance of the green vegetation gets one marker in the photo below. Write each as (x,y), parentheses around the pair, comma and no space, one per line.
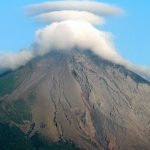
(12,138)
(17,110)
(31,98)
(20,110)
(10,80)
(40,143)
(7,83)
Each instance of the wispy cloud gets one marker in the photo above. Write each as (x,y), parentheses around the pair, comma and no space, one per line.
(90,11)
(13,60)
(102,9)
(70,15)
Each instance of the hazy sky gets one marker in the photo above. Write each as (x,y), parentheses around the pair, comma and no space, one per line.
(131,31)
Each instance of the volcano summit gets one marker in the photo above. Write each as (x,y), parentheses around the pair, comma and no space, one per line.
(76,97)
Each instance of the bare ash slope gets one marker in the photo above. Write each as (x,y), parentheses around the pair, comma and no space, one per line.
(81,97)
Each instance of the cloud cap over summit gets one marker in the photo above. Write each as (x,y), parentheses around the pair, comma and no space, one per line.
(65,30)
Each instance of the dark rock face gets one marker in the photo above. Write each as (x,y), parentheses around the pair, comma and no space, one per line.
(80,97)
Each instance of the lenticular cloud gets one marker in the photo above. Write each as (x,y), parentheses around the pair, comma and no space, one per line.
(56,16)
(93,12)
(69,25)
(99,8)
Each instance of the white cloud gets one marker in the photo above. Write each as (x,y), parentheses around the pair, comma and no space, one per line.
(98,8)
(64,36)
(68,34)
(70,15)
(141,70)
(12,61)
(72,28)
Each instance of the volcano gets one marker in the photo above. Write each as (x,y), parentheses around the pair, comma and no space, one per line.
(74,100)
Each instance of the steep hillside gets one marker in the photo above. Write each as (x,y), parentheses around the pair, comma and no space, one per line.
(79,97)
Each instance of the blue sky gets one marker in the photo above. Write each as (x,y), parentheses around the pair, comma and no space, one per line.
(131,31)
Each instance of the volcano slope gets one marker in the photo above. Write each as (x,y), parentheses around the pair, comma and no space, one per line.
(75,97)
